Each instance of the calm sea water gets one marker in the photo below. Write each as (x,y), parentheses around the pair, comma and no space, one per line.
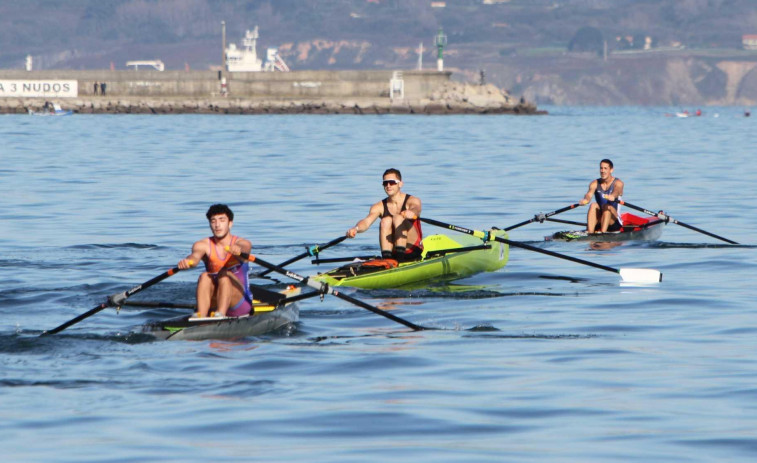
(545,360)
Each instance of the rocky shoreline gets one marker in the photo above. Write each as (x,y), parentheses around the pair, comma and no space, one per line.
(453,98)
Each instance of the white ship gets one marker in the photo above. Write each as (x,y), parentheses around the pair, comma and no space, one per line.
(246,59)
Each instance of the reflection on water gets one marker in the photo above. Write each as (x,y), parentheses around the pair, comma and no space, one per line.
(603,245)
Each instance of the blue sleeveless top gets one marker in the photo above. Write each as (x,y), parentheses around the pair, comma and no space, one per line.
(600,198)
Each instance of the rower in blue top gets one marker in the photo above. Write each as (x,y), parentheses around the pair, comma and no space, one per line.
(604,213)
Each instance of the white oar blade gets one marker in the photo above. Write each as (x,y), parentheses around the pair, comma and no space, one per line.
(640,275)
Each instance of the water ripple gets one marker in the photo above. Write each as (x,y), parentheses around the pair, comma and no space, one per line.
(543,360)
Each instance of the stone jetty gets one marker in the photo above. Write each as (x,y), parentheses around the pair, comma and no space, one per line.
(301,92)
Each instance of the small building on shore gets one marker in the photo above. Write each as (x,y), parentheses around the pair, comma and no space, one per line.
(749,41)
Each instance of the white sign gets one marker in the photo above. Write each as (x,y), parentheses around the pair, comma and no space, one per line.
(307,84)
(39,88)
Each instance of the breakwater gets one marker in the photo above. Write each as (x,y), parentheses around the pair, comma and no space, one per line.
(207,92)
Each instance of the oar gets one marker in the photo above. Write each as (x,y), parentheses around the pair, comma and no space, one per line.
(116,300)
(324,288)
(667,218)
(172,305)
(440,252)
(542,217)
(159,305)
(637,275)
(311,251)
(569,222)
(331,260)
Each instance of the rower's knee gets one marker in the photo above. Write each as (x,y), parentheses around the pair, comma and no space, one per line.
(204,279)
(386,225)
(225,278)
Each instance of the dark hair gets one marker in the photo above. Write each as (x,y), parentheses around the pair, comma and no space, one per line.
(392,171)
(608,162)
(217,209)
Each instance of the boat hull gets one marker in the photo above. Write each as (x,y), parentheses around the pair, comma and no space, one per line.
(451,266)
(641,230)
(267,318)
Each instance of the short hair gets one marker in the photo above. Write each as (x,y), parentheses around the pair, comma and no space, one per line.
(608,162)
(392,171)
(218,209)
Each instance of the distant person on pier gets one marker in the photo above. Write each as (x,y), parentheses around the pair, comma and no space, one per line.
(400,232)
(102,88)
(97,87)
(604,213)
(224,284)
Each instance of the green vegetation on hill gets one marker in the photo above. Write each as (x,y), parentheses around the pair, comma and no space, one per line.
(47,26)
(502,37)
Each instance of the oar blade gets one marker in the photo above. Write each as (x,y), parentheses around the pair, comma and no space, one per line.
(640,275)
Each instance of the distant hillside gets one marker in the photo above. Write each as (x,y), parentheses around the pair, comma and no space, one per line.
(521,45)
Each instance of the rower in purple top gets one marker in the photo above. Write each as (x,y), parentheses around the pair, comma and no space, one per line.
(223,286)
(400,235)
(604,213)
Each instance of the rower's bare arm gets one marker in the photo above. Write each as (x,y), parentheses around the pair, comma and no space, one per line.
(618,190)
(587,197)
(413,210)
(199,250)
(242,245)
(366,223)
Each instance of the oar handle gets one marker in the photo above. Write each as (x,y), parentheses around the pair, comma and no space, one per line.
(662,216)
(114,300)
(324,288)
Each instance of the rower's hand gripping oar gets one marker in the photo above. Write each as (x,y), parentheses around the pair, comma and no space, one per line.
(662,216)
(324,288)
(311,251)
(636,275)
(116,300)
(542,217)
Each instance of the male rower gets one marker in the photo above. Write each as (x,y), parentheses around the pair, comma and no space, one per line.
(224,285)
(400,232)
(604,214)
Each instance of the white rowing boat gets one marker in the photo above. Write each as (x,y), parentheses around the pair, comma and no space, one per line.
(272,311)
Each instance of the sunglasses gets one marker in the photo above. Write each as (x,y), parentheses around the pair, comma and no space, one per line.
(390,182)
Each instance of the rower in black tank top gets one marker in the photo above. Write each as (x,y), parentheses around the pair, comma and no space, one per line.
(414,250)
